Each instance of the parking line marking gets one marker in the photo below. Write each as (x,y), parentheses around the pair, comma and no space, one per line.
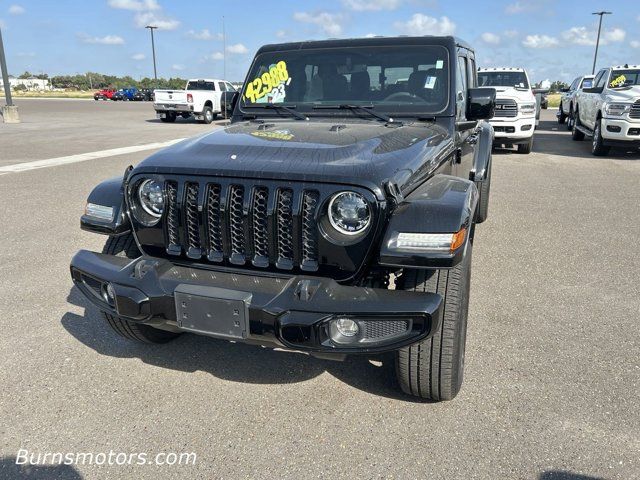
(83,157)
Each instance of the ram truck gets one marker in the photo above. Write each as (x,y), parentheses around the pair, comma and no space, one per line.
(568,98)
(201,99)
(609,111)
(516,113)
(335,215)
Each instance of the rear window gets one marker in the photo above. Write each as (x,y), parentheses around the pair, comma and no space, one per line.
(201,85)
(587,83)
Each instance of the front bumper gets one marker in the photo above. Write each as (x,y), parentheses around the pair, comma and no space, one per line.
(618,131)
(514,130)
(295,312)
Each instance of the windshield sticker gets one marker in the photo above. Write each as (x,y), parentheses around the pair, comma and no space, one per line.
(430,82)
(439,64)
(618,81)
(270,86)
(274,135)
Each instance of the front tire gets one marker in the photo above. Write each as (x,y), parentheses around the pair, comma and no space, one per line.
(125,246)
(562,117)
(597,145)
(433,368)
(576,135)
(525,148)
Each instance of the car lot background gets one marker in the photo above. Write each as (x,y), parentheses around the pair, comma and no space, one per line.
(552,366)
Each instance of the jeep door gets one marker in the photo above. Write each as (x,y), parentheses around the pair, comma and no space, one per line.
(464,137)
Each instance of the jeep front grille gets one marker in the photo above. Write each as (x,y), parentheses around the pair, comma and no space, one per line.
(506,109)
(243,223)
(635,110)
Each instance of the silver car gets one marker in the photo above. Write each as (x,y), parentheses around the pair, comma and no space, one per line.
(567,101)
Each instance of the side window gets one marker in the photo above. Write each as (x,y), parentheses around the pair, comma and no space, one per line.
(461,87)
(473,73)
(230,88)
(222,86)
(574,84)
(601,78)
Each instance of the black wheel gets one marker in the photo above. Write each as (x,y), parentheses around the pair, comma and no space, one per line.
(576,134)
(207,115)
(484,189)
(433,368)
(125,246)
(597,145)
(526,148)
(169,117)
(562,117)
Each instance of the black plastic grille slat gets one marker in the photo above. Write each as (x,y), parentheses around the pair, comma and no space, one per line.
(259,224)
(506,108)
(635,110)
(173,234)
(309,231)
(214,227)
(284,223)
(236,224)
(192,227)
(384,328)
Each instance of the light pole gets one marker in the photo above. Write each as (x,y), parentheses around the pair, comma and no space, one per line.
(9,111)
(153,50)
(595,57)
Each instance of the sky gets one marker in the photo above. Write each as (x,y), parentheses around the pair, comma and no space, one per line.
(553,40)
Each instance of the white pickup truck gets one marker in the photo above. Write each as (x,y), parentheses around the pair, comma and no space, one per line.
(515,115)
(200,98)
(609,111)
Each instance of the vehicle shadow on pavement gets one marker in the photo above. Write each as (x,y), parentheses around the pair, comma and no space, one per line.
(234,362)
(565,475)
(9,470)
(550,138)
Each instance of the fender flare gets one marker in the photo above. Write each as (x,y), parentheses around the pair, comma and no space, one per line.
(109,193)
(482,154)
(443,204)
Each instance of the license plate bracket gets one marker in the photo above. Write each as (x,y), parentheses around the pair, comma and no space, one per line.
(213,311)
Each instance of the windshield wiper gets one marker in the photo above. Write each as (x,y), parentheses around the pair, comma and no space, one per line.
(277,106)
(361,108)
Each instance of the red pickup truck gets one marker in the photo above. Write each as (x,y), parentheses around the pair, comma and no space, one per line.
(104,94)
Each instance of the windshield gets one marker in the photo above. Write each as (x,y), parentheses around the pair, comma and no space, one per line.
(200,85)
(397,79)
(624,78)
(503,79)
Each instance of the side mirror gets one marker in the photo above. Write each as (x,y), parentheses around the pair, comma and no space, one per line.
(481,103)
(593,90)
(565,90)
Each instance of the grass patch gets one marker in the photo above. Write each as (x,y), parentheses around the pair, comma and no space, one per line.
(554,100)
(54,94)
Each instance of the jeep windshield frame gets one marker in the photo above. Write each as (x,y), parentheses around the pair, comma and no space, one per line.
(397,80)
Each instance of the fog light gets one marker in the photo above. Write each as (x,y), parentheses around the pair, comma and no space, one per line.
(347,327)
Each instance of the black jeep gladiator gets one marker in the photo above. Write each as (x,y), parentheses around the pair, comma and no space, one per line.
(335,214)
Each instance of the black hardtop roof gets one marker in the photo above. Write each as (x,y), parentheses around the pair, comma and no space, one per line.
(447,42)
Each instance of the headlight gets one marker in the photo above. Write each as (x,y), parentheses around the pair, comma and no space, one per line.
(349,213)
(617,108)
(527,107)
(148,202)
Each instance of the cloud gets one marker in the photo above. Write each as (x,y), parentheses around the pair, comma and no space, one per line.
(370,35)
(521,7)
(540,41)
(510,33)
(635,44)
(238,48)
(143,19)
(587,36)
(490,38)
(204,34)
(138,56)
(214,56)
(281,34)
(32,54)
(371,5)
(106,40)
(421,24)
(16,10)
(177,67)
(329,23)
(134,5)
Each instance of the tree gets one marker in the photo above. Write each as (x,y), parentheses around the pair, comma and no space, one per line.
(26,74)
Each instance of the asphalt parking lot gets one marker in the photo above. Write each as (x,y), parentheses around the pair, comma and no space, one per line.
(553,358)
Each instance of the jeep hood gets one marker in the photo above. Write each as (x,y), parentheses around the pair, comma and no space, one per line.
(366,154)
